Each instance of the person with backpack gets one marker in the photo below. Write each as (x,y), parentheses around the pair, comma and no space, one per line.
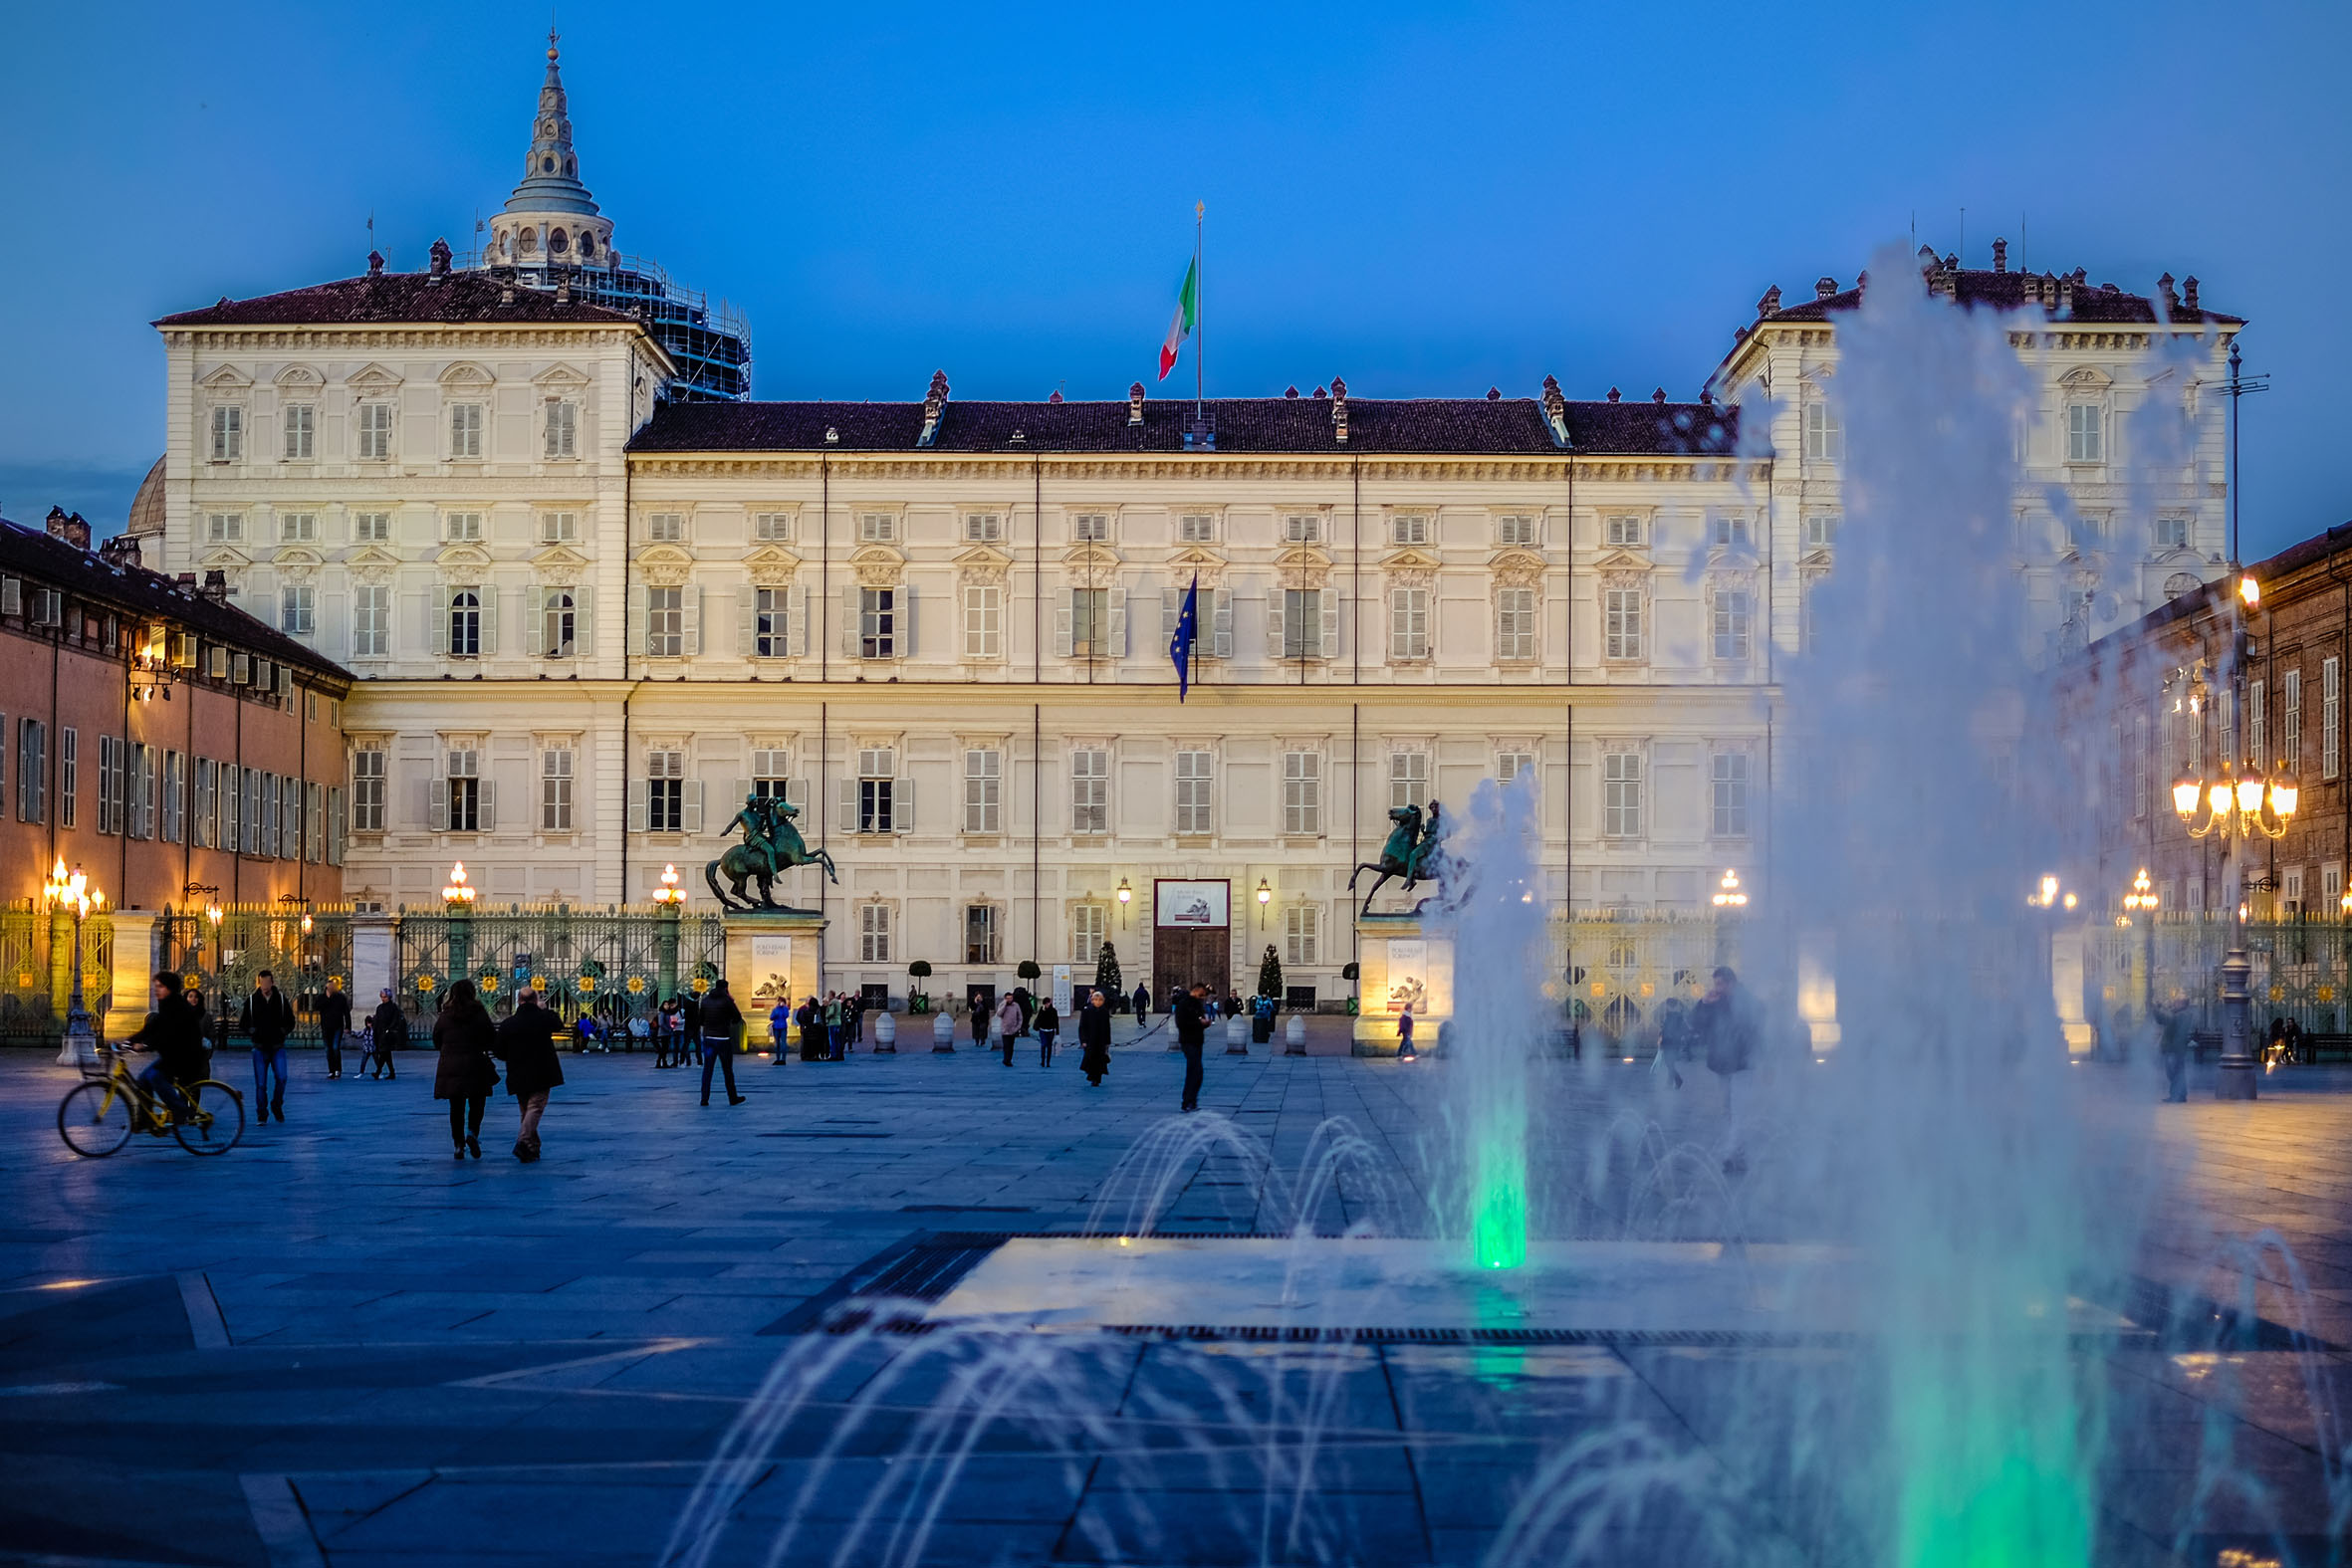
(722,1026)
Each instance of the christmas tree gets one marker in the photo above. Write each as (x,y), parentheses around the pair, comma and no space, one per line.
(1107,974)
(1269,974)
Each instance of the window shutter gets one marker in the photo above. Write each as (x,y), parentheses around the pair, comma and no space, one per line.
(584,640)
(747,630)
(902,804)
(438,613)
(1275,599)
(486,802)
(846,801)
(904,646)
(690,619)
(850,603)
(636,643)
(1119,623)
(1171,606)
(1063,638)
(487,595)
(437,805)
(739,790)
(1221,623)
(799,627)
(797,792)
(535,637)
(691,817)
(1329,600)
(636,805)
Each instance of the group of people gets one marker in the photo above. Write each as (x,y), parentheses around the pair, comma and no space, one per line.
(471,1048)
(828,1026)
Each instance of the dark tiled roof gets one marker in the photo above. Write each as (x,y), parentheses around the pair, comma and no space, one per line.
(1446,427)
(453,298)
(2209,595)
(40,556)
(2005,291)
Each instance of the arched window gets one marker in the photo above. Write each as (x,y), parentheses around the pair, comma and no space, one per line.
(530,241)
(547,165)
(587,246)
(557,243)
(465,624)
(558,618)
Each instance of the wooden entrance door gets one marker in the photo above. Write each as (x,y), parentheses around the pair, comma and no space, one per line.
(1185,955)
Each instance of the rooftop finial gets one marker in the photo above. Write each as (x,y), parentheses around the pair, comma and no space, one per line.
(552,36)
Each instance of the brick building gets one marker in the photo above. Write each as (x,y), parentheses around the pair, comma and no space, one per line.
(2158,697)
(157,737)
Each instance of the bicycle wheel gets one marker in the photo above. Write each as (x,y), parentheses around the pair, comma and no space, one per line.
(95,1118)
(219,1119)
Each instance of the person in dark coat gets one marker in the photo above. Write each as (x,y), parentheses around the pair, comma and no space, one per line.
(335,1021)
(174,1031)
(268,1020)
(722,1026)
(1048,1025)
(2177,1039)
(1724,1029)
(465,1074)
(1095,1038)
(1192,1032)
(527,1045)
(387,1026)
(1142,1004)
(810,1019)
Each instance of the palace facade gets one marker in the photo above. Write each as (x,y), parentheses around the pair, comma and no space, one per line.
(588,613)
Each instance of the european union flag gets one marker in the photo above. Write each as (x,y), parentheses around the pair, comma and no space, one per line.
(1188,632)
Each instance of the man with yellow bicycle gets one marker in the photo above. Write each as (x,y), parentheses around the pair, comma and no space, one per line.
(176,1034)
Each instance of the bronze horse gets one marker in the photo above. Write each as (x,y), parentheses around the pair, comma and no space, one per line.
(1409,853)
(771,845)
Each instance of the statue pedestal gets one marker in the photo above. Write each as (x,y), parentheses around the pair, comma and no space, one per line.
(1401,962)
(771,958)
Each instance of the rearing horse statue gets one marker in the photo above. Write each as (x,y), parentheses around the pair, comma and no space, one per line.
(771,847)
(1399,857)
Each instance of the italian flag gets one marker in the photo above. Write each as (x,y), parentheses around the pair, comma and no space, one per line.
(1188,310)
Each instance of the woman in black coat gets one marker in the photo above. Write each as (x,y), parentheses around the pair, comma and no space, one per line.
(465,1074)
(527,1045)
(1095,1038)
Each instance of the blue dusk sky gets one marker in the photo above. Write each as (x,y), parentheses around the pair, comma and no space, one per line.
(1428,200)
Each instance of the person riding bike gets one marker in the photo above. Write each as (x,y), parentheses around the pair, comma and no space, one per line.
(174,1032)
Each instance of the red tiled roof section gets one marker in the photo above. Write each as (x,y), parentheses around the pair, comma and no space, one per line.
(2093,302)
(1449,426)
(399,298)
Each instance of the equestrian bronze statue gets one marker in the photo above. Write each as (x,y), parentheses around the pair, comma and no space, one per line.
(1414,852)
(771,847)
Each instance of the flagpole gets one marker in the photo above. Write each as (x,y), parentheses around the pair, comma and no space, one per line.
(1200,319)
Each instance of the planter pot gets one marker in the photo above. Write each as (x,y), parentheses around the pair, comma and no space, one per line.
(1294,1035)
(887,1033)
(943,1032)
(1237,1037)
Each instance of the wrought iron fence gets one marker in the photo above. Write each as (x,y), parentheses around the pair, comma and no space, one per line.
(305,950)
(1616,974)
(2302,970)
(36,972)
(613,964)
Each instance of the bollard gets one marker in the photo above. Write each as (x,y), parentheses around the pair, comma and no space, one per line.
(1237,1037)
(943,1033)
(885,1033)
(1294,1035)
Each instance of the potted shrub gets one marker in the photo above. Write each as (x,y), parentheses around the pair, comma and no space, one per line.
(918,998)
(1028,969)
(1350,972)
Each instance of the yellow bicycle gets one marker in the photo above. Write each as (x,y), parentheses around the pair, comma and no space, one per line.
(99,1114)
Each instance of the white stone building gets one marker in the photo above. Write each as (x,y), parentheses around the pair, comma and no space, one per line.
(586,618)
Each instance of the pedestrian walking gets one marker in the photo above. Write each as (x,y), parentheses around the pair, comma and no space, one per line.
(1191,1012)
(1142,1004)
(1007,1026)
(722,1027)
(464,1073)
(1095,1038)
(665,1032)
(335,1021)
(832,1025)
(266,1020)
(779,1029)
(1674,1039)
(1723,1027)
(527,1045)
(1404,1035)
(387,1026)
(2177,1037)
(1047,1023)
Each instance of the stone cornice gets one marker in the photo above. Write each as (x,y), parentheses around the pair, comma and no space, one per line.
(372,338)
(1161,466)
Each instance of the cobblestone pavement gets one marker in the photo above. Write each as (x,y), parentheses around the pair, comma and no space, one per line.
(338,1345)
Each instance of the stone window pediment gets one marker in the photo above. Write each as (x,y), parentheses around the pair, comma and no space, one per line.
(2086,379)
(1303,557)
(1189,558)
(1409,560)
(984,561)
(1623,563)
(225,558)
(297,563)
(559,559)
(1516,568)
(371,555)
(373,378)
(558,377)
(462,556)
(1089,559)
(228,379)
(665,566)
(877,566)
(771,565)
(298,378)
(466,374)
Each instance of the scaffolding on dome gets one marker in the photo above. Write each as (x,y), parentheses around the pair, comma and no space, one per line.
(711,347)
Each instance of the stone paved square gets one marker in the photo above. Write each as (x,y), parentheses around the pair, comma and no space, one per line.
(338,1345)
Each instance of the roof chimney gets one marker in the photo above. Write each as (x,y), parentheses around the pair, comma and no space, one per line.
(2000,256)
(438,266)
(1824,288)
(216,587)
(505,294)
(1135,405)
(1769,304)
(2189,292)
(375,263)
(70,527)
(1556,410)
(186,583)
(1290,391)
(934,405)
(2066,291)
(1614,394)
(564,290)
(1054,396)
(1339,411)
(1318,390)
(1659,397)
(121,550)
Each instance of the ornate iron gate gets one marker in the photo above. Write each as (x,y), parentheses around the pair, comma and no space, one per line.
(616,965)
(36,972)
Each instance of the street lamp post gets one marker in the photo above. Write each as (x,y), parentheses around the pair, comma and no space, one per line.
(672,899)
(2239,809)
(72,892)
(1730,899)
(2139,908)
(459,900)
(1265,897)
